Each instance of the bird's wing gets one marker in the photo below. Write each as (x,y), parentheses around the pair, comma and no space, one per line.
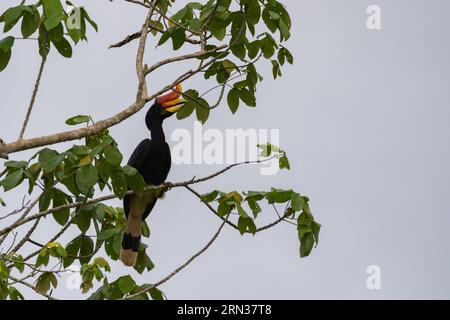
(139,155)
(137,161)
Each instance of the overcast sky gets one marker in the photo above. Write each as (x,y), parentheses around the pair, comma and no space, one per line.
(363,115)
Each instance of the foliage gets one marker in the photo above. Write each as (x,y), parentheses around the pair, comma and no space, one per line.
(234,36)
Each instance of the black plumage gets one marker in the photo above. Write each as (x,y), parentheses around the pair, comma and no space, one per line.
(152,160)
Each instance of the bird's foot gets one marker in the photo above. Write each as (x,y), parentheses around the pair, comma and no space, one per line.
(168,186)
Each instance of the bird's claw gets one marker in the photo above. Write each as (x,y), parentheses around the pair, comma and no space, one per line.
(168,186)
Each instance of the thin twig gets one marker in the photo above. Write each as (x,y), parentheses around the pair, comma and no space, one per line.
(27,236)
(184,265)
(182,58)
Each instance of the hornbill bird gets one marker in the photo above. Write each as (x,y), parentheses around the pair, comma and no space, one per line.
(152,160)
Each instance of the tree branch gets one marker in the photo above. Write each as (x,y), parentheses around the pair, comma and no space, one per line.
(183,57)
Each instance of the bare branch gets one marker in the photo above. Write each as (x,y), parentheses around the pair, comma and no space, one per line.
(184,265)
(33,98)
(183,57)
(27,236)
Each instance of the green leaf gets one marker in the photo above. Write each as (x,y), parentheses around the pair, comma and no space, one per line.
(241,211)
(85,178)
(145,230)
(233,100)
(63,46)
(251,226)
(45,281)
(112,155)
(101,262)
(178,38)
(186,111)
(108,233)
(289,57)
(210,196)
(86,249)
(78,119)
(253,13)
(18,262)
(12,180)
(253,48)
(50,159)
(268,20)
(43,258)
(276,69)
(306,244)
(156,294)
(274,15)
(53,12)
(135,181)
(165,36)
(224,209)
(4,271)
(7,43)
(61,216)
(229,66)
(4,291)
(86,16)
(30,23)
(302,230)
(4,59)
(5,51)
(284,29)
(297,202)
(256,195)
(281,56)
(243,224)
(100,212)
(143,262)
(238,29)
(279,196)
(247,97)
(268,47)
(16,164)
(126,284)
(254,206)
(44,199)
(284,163)
(83,220)
(202,111)
(72,250)
(316,230)
(239,50)
(11,16)
(119,183)
(15,294)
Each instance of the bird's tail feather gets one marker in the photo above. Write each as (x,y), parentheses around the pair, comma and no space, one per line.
(131,241)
